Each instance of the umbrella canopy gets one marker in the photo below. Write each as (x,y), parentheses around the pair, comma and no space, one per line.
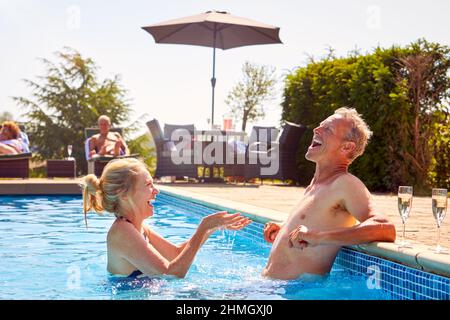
(216,29)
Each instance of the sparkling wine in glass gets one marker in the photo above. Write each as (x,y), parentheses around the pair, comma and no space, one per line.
(439,207)
(69,151)
(405,195)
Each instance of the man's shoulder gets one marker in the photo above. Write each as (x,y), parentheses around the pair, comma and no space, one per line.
(348,182)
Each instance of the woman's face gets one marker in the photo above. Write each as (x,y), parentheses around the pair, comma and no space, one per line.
(5,134)
(144,192)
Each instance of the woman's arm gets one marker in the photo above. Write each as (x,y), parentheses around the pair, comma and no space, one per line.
(166,248)
(131,246)
(6,148)
(146,258)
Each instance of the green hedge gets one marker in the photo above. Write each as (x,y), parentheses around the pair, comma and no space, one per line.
(373,85)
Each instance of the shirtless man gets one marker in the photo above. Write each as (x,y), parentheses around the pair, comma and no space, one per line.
(336,208)
(107,143)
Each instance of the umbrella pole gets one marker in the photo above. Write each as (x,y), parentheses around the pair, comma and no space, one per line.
(213,80)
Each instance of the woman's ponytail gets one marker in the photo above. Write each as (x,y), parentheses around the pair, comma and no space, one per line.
(91,195)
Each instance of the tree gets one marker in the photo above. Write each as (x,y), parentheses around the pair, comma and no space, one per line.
(6,116)
(247,97)
(424,75)
(70,98)
(402,93)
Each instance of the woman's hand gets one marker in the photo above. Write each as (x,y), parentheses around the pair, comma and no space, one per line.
(225,220)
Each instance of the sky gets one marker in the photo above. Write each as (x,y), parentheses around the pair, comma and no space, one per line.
(172,82)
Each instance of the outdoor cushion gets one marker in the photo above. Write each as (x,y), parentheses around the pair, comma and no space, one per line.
(15,156)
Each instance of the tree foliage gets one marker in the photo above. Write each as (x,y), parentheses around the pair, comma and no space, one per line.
(402,93)
(6,116)
(67,99)
(247,97)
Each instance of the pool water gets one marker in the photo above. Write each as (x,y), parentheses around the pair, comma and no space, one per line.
(46,252)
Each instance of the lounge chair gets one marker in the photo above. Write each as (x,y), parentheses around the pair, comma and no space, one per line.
(166,148)
(17,165)
(284,149)
(96,164)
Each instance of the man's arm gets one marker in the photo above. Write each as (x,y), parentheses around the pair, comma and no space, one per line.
(123,146)
(92,143)
(356,199)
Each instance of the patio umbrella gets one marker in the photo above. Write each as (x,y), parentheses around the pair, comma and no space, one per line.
(216,29)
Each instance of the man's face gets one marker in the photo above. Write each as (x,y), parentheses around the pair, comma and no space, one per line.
(328,138)
(104,126)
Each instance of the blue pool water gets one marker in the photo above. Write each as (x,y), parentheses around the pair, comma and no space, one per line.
(46,252)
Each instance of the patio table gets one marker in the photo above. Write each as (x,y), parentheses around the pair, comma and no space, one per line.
(216,172)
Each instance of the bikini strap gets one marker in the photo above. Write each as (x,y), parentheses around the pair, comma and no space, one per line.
(125,219)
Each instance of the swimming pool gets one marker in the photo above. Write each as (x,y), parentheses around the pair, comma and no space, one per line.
(47,253)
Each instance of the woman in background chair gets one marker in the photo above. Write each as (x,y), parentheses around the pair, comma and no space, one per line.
(10,139)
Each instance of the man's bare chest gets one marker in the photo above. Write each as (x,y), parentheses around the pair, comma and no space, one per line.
(320,209)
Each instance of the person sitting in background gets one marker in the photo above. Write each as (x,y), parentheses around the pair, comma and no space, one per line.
(107,143)
(12,140)
(126,189)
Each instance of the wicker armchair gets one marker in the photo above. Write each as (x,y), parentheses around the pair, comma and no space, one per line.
(166,150)
(283,150)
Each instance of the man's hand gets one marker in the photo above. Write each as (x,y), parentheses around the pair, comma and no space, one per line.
(302,238)
(271,230)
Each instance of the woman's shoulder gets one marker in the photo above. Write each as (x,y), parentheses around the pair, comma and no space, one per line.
(119,231)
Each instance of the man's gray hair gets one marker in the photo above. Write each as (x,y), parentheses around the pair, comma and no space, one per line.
(104,117)
(359,132)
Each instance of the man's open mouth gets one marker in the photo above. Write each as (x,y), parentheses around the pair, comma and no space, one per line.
(316,143)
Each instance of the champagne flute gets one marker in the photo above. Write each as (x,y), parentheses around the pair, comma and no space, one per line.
(439,206)
(69,151)
(405,195)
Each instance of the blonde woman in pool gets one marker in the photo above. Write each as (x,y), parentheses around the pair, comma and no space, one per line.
(126,189)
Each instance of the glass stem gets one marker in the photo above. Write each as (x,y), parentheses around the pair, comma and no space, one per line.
(438,237)
(403,241)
